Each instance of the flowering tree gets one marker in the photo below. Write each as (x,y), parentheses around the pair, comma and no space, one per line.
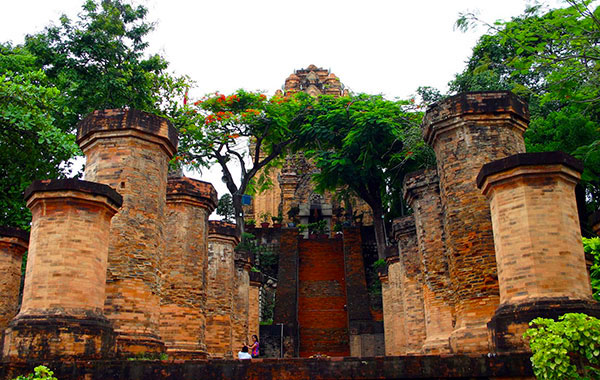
(245,130)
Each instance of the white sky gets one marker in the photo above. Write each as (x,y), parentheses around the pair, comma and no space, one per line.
(377,46)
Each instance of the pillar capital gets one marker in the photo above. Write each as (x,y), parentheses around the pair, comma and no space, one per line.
(256,279)
(116,123)
(420,181)
(403,226)
(73,188)
(223,230)
(477,107)
(528,165)
(192,191)
(15,236)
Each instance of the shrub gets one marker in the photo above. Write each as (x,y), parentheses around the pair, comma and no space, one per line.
(592,247)
(565,349)
(40,373)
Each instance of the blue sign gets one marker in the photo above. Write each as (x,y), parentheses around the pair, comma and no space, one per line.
(246,199)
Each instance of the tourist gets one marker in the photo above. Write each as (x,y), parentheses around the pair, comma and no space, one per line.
(254,347)
(243,354)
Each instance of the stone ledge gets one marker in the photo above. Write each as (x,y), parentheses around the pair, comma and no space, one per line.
(403,225)
(392,367)
(127,119)
(203,191)
(417,180)
(527,159)
(88,187)
(218,227)
(13,232)
(473,103)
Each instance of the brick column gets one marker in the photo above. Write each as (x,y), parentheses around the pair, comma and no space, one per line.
(256,280)
(393,305)
(422,192)
(288,182)
(61,314)
(222,240)
(541,263)
(410,278)
(467,131)
(183,299)
(595,222)
(241,292)
(13,244)
(286,295)
(129,150)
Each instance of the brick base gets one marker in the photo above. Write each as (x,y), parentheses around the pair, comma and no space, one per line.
(43,337)
(511,321)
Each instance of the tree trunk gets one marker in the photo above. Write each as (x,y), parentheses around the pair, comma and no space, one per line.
(378,224)
(239,214)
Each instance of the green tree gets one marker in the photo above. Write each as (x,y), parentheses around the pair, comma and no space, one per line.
(365,143)
(31,145)
(549,57)
(244,131)
(225,208)
(99,61)
(565,349)
(58,76)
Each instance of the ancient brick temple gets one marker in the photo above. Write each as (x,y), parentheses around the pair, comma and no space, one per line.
(484,251)
(126,262)
(292,184)
(120,267)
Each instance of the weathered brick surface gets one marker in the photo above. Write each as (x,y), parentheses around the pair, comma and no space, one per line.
(321,298)
(286,296)
(467,131)
(13,244)
(595,222)
(63,297)
(410,279)
(366,335)
(538,245)
(399,367)
(129,150)
(183,299)
(220,275)
(421,190)
(256,280)
(393,308)
(241,293)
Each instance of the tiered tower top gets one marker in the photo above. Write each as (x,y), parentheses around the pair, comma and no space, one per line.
(314,81)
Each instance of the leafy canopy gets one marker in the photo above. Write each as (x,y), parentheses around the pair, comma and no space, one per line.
(565,349)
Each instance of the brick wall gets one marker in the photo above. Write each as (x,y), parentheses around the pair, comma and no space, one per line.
(541,263)
(183,298)
(467,131)
(410,279)
(63,296)
(421,190)
(393,308)
(322,316)
(256,280)
(129,150)
(241,293)
(219,289)
(13,244)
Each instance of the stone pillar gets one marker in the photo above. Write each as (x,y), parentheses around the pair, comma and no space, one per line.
(13,244)
(129,150)
(183,300)
(541,263)
(422,192)
(256,280)
(288,182)
(467,131)
(222,240)
(61,314)
(393,305)
(410,278)
(241,292)
(595,222)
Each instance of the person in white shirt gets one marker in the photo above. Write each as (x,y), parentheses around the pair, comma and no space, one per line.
(243,354)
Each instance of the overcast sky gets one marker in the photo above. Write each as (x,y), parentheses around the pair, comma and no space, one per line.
(377,46)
